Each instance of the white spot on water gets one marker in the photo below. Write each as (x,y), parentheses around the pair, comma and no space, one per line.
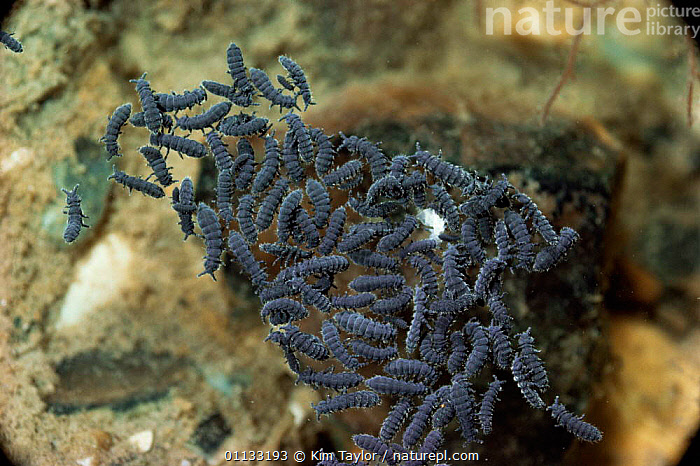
(432,220)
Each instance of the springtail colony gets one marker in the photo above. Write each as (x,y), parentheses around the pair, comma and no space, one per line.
(335,201)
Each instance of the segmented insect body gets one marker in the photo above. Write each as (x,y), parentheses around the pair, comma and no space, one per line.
(539,221)
(270,204)
(446,172)
(378,162)
(237,69)
(471,241)
(398,236)
(75,215)
(270,166)
(352,183)
(285,217)
(353,301)
(157,163)
(10,42)
(432,442)
(420,246)
(327,265)
(331,337)
(443,415)
(419,320)
(394,304)
(222,157)
(390,386)
(290,158)
(416,184)
(292,360)
(446,206)
(373,260)
(387,187)
(139,120)
(296,74)
(526,365)
(372,353)
(222,90)
(550,256)
(244,215)
(380,228)
(383,209)
(224,190)
(489,273)
(283,311)
(357,324)
(321,201)
(343,173)
(503,243)
(325,153)
(244,165)
(306,343)
(455,283)
(286,252)
(411,369)
(269,291)
(139,184)
(301,136)
(338,381)
(499,311)
(304,223)
(448,237)
(213,239)
(179,144)
(462,398)
(183,204)
(285,83)
(487,405)
(366,283)
(459,353)
(355,240)
(525,247)
(397,169)
(528,372)
(268,91)
(480,205)
(574,424)
(311,295)
(433,348)
(500,346)
(427,274)
(206,119)
(241,253)
(479,339)
(376,446)
(175,102)
(114,126)
(395,419)
(151,112)
(419,421)
(244,125)
(360,399)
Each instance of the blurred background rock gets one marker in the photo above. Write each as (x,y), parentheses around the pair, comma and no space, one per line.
(112,352)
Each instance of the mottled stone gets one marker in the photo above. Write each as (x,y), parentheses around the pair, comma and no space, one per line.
(94,379)
(211,432)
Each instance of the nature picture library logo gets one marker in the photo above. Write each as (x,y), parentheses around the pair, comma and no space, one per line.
(657,19)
